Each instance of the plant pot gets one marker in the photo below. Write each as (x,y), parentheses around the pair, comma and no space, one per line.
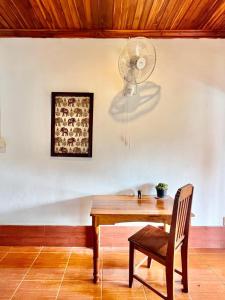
(161,193)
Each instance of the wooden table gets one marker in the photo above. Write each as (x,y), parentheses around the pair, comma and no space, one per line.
(112,209)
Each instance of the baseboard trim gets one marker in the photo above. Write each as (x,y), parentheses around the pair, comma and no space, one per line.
(111,236)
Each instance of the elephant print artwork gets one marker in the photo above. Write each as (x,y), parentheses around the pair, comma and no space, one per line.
(71,101)
(71,121)
(64,111)
(72,115)
(77,131)
(78,112)
(64,131)
(71,141)
(58,121)
(84,122)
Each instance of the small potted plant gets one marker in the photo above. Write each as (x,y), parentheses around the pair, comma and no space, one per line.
(161,189)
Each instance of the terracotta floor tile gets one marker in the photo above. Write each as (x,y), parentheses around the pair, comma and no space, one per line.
(79,290)
(4,248)
(33,285)
(76,296)
(78,274)
(155,273)
(115,260)
(80,269)
(79,262)
(209,259)
(17,260)
(84,250)
(78,254)
(7,288)
(207,296)
(207,286)
(161,287)
(37,290)
(206,275)
(13,273)
(120,290)
(122,297)
(15,265)
(24,249)
(115,274)
(214,251)
(54,260)
(2,254)
(37,295)
(220,272)
(36,273)
(57,249)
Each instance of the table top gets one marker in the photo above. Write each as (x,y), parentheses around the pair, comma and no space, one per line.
(131,205)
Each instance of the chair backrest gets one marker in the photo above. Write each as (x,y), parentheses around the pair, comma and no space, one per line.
(179,229)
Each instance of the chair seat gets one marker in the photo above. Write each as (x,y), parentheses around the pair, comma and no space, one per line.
(151,238)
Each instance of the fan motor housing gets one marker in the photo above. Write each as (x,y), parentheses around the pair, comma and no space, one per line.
(138,62)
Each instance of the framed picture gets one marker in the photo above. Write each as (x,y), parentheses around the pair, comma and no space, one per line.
(71,124)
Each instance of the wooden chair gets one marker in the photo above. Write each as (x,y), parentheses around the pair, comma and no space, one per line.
(161,246)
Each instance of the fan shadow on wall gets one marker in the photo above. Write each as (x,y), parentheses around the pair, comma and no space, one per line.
(124,108)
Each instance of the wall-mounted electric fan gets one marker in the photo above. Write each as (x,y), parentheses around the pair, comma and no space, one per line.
(136,63)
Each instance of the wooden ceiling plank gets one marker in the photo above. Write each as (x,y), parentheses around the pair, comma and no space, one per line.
(212,6)
(6,19)
(216,17)
(146,11)
(48,14)
(24,10)
(117,14)
(130,9)
(79,6)
(205,16)
(67,14)
(154,14)
(173,8)
(203,12)
(190,18)
(73,11)
(57,11)
(162,12)
(180,15)
(88,14)
(56,33)
(38,12)
(94,14)
(3,23)
(20,17)
(138,14)
(106,8)
(127,11)
(220,25)
(6,10)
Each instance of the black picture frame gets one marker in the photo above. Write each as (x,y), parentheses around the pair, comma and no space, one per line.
(71,124)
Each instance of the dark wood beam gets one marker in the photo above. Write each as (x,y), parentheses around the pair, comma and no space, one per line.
(46,33)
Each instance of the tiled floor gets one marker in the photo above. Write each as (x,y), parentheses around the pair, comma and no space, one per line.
(31,273)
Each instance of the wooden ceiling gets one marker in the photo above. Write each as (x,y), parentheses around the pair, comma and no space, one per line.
(112,18)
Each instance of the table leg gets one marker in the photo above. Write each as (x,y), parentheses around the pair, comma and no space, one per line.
(96,246)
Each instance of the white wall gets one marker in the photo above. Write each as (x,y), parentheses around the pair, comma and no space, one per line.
(178,136)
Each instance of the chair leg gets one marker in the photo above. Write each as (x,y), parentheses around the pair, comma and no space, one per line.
(149,262)
(169,281)
(131,264)
(184,262)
